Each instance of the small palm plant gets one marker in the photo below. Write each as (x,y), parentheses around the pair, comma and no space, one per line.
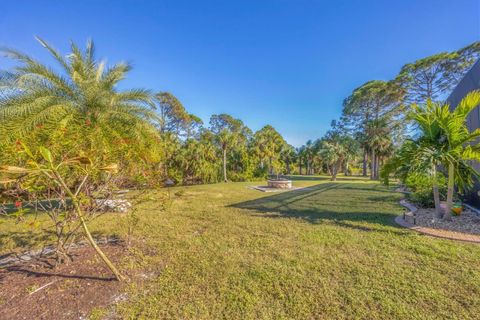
(444,141)
(461,145)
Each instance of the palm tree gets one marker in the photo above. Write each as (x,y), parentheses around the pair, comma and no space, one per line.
(300,157)
(289,157)
(83,95)
(198,159)
(456,144)
(228,133)
(269,145)
(309,156)
(334,150)
(444,141)
(332,154)
(377,141)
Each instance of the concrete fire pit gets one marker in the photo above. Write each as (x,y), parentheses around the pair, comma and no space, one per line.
(280,184)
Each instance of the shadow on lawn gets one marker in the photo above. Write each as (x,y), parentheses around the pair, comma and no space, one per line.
(33,273)
(45,238)
(339,203)
(323,178)
(24,239)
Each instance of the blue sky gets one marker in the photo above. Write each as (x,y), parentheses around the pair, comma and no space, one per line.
(285,63)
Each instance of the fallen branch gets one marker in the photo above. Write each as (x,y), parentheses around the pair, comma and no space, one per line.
(43,287)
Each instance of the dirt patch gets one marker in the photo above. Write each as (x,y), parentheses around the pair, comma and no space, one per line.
(37,290)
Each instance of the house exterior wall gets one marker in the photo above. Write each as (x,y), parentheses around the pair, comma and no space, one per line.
(470,82)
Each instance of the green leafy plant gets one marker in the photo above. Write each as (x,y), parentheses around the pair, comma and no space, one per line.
(420,186)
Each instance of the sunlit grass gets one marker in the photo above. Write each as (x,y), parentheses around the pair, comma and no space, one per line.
(329,251)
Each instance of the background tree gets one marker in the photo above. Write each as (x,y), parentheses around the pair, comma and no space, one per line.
(228,132)
(372,101)
(431,78)
(309,154)
(289,157)
(269,145)
(378,141)
(335,148)
(300,158)
(174,123)
(198,159)
(174,118)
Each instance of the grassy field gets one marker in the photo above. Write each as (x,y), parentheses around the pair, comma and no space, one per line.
(330,251)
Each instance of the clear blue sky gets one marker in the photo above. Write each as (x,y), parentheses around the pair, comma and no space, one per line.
(285,63)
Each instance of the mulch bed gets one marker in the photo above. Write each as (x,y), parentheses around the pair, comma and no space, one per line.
(37,290)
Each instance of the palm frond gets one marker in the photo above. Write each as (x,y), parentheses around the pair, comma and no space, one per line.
(468,103)
(58,57)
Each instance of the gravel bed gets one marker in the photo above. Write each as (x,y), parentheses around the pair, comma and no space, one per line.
(466,222)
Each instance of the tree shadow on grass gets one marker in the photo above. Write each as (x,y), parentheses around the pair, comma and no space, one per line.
(323,178)
(39,274)
(25,239)
(348,205)
(28,239)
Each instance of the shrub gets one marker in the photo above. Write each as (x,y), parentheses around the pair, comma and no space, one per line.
(80,188)
(420,186)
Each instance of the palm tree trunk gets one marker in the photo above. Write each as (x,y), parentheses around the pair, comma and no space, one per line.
(365,161)
(451,186)
(225,164)
(379,164)
(372,161)
(436,194)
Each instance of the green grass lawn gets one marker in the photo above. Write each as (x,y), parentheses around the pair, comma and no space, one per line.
(330,251)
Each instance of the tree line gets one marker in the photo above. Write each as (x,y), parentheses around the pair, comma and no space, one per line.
(375,117)
(75,108)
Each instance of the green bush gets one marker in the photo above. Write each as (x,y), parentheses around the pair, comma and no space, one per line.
(421,189)
(355,171)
